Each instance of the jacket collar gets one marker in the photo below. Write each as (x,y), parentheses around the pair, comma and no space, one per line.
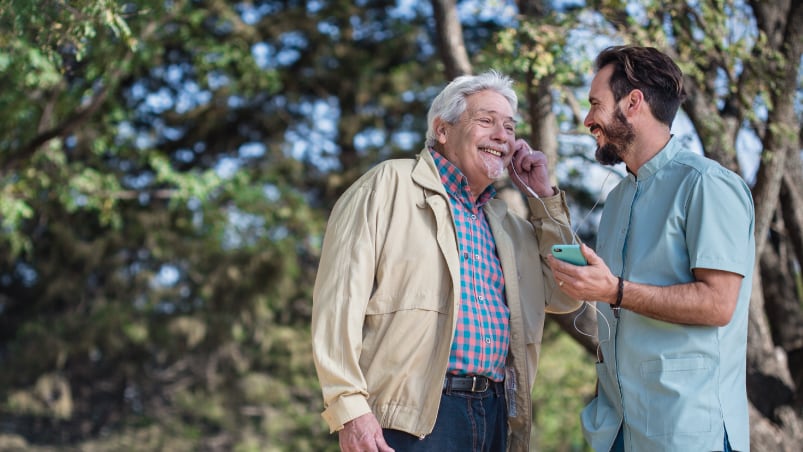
(425,173)
(496,207)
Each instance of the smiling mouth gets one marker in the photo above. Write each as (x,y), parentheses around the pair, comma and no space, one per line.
(491,151)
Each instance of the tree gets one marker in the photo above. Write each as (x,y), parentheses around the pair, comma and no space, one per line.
(166,174)
(167,170)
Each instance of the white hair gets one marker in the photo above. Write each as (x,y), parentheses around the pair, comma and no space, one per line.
(451,102)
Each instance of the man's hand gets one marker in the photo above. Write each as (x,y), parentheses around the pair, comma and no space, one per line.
(363,434)
(528,170)
(709,300)
(592,282)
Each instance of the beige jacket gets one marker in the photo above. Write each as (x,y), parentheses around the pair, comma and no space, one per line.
(387,291)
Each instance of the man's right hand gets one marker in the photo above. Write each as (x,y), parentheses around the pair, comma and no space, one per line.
(363,434)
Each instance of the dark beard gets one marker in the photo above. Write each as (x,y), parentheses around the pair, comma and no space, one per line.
(620,135)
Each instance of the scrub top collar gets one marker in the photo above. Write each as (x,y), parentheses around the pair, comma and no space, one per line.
(658,161)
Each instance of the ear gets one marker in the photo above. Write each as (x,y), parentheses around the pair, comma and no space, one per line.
(441,127)
(635,102)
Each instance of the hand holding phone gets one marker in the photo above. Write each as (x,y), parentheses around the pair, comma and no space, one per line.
(569,253)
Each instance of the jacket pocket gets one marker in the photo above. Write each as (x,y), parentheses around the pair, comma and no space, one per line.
(416,283)
(415,301)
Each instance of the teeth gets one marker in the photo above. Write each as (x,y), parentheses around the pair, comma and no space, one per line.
(491,151)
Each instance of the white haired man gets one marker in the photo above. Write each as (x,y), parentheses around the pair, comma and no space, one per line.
(430,297)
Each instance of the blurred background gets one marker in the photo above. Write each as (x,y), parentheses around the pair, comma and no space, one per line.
(167,168)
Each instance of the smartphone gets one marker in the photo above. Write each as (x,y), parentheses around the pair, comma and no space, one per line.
(569,253)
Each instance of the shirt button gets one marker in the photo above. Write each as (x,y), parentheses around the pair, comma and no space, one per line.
(481,298)
(487,340)
(477,257)
(473,217)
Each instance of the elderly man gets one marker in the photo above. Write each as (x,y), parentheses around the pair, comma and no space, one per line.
(430,297)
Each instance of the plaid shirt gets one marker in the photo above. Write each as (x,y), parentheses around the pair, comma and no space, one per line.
(482,336)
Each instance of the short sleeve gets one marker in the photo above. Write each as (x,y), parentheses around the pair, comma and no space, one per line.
(720,222)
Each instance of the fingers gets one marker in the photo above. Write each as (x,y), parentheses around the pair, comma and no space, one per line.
(382,446)
(524,153)
(529,170)
(521,146)
(526,161)
(363,434)
(587,282)
(591,256)
(560,269)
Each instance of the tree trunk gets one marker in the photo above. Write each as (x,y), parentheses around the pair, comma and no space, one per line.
(449,36)
(544,135)
(782,307)
(771,386)
(717,130)
(785,35)
(775,424)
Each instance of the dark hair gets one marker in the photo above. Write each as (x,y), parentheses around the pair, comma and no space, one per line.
(648,70)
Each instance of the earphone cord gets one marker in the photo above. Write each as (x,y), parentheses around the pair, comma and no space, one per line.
(574,241)
(600,315)
(535,195)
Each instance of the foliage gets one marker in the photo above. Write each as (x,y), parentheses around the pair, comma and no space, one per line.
(564,385)
(166,175)
(166,171)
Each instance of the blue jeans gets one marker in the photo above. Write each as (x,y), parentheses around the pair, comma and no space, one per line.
(467,421)
(619,443)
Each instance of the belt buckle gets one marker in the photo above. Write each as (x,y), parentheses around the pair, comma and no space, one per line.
(474,384)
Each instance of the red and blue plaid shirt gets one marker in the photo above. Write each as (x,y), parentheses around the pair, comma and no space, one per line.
(483,332)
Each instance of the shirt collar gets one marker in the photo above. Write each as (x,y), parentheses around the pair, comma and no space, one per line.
(456,184)
(659,160)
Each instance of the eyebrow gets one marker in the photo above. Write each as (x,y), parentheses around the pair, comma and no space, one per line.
(485,110)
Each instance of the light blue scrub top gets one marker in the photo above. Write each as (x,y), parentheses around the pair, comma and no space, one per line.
(674,386)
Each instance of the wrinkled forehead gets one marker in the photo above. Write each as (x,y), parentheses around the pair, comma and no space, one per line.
(489,103)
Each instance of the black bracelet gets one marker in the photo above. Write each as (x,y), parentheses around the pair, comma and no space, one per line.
(620,292)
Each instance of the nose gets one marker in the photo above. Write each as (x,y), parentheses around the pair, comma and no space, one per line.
(499,133)
(587,120)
